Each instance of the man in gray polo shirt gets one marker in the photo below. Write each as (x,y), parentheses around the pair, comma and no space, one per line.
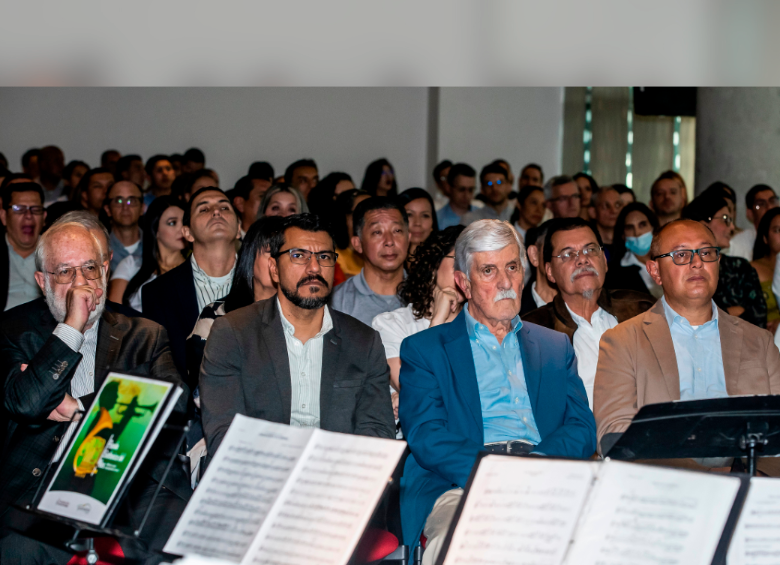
(381,230)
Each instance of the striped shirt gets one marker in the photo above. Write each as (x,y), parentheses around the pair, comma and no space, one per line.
(305,372)
(210,289)
(83,382)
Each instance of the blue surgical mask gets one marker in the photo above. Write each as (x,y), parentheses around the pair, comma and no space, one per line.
(640,246)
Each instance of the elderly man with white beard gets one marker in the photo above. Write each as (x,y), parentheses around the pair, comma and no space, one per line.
(583,309)
(55,353)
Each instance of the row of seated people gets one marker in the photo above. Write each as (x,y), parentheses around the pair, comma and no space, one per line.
(285,346)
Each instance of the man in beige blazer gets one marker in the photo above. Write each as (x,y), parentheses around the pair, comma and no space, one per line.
(674,350)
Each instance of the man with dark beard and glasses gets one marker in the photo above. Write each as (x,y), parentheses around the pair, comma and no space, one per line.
(583,309)
(291,359)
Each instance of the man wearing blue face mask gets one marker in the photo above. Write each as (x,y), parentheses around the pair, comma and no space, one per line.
(583,309)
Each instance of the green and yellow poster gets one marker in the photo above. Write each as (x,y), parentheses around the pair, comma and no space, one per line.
(107,443)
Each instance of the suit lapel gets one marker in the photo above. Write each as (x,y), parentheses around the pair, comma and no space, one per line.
(731,349)
(656,329)
(331,348)
(532,365)
(109,343)
(189,298)
(461,359)
(276,349)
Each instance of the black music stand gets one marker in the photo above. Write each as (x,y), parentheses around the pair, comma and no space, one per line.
(740,426)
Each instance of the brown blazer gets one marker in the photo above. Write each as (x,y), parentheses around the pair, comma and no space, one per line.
(623,304)
(637,366)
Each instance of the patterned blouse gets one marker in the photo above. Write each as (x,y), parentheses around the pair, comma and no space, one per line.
(196,342)
(739,286)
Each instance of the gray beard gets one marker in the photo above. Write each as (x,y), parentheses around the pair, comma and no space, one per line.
(58,307)
(588,294)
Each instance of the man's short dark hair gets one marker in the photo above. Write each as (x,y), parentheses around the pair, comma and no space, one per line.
(750,197)
(306,222)
(439,168)
(288,173)
(106,154)
(492,168)
(371,204)
(533,166)
(535,235)
(3,161)
(86,179)
(9,189)
(527,191)
(458,170)
(261,170)
(151,163)
(242,188)
(124,162)
(194,155)
(28,155)
(188,206)
(667,175)
(565,224)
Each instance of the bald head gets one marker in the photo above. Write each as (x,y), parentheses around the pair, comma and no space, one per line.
(124,204)
(680,232)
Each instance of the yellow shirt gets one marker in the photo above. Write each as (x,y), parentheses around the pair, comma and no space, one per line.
(350,261)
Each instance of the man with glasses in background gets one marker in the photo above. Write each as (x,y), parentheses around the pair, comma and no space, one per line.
(291,359)
(758,201)
(604,212)
(494,189)
(23,216)
(684,347)
(583,309)
(123,205)
(563,197)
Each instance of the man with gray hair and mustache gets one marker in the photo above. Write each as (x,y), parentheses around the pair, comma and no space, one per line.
(583,309)
(484,382)
(55,353)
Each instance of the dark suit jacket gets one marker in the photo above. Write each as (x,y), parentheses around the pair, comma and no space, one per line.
(124,344)
(441,414)
(170,300)
(5,272)
(246,370)
(625,278)
(623,304)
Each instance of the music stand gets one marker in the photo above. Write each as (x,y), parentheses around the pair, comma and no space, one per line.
(719,427)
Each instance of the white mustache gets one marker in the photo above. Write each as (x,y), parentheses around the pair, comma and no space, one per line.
(505,294)
(583,269)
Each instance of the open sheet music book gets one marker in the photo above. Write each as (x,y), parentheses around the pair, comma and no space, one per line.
(756,540)
(276,493)
(527,510)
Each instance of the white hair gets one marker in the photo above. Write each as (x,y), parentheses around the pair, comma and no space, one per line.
(87,220)
(484,235)
(553,182)
(57,227)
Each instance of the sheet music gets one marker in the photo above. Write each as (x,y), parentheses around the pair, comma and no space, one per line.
(240,486)
(327,502)
(520,510)
(644,515)
(756,540)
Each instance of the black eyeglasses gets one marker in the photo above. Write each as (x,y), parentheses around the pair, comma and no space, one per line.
(685,256)
(303,256)
(131,201)
(21,209)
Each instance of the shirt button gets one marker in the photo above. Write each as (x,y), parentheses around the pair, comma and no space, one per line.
(90,373)
(517,401)
(36,472)
(525,419)
(494,347)
(303,374)
(303,406)
(698,369)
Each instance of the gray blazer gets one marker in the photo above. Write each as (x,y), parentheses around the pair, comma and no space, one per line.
(246,370)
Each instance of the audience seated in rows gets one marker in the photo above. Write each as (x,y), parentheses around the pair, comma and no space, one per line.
(303,176)
(51,165)
(538,290)
(123,204)
(418,204)
(130,167)
(530,175)
(562,196)
(381,229)
(495,188)
(461,183)
(350,261)
(89,195)
(604,211)
(758,201)
(765,250)
(292,359)
(587,186)
(485,381)
(583,309)
(529,209)
(379,179)
(160,174)
(282,200)
(668,196)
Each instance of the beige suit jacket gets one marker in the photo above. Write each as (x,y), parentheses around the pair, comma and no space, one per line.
(637,366)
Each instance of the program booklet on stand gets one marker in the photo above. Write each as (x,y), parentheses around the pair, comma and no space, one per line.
(275,493)
(114,436)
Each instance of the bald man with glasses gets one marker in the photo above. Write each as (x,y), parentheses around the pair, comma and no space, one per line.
(684,347)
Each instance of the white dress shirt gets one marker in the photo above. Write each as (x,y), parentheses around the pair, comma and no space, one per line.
(538,300)
(210,289)
(83,382)
(396,326)
(305,372)
(586,345)
(741,245)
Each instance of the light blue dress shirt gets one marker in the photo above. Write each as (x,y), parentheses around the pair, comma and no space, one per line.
(699,357)
(503,394)
(446,217)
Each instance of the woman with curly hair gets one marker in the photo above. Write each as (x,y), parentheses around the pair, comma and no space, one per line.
(431,293)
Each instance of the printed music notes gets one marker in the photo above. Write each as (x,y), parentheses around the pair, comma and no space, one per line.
(278,492)
(756,540)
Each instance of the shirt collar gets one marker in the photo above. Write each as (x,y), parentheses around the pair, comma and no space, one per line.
(289,329)
(474,328)
(362,286)
(673,317)
(580,320)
